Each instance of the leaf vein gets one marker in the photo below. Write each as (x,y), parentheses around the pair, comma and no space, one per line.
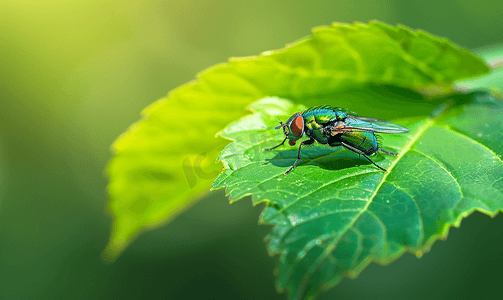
(404,150)
(444,168)
(474,141)
(421,221)
(317,189)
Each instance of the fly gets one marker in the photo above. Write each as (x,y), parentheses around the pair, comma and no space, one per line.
(336,127)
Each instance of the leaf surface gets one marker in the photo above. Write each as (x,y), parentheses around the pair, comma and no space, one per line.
(493,81)
(335,213)
(163,163)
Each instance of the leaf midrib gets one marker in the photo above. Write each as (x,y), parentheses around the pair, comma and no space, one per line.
(404,150)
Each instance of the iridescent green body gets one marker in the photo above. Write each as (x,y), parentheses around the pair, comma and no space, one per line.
(318,117)
(364,141)
(337,127)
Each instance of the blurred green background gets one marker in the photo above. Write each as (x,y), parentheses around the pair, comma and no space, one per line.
(75,74)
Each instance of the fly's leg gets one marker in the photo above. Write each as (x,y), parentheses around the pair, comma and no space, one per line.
(275,146)
(365,155)
(304,143)
(389,153)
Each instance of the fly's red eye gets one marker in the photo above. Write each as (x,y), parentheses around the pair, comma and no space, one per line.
(291,142)
(297,126)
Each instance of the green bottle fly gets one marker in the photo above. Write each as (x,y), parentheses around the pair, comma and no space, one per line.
(336,127)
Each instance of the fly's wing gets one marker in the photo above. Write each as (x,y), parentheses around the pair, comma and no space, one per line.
(373,125)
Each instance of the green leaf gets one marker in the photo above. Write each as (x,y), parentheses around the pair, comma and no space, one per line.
(493,81)
(2,174)
(163,163)
(336,213)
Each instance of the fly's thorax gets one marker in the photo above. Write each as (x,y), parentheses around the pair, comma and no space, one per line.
(319,135)
(341,115)
(316,131)
(361,140)
(311,124)
(322,115)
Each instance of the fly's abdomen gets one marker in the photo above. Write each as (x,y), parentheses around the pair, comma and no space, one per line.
(361,140)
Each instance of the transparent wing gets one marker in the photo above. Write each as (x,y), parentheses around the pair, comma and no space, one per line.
(372,125)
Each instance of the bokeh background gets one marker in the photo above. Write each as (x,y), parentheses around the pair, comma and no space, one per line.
(75,74)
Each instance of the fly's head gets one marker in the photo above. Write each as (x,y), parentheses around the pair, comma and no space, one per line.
(293,129)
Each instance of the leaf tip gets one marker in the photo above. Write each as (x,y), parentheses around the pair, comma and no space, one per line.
(111,253)
(114,249)
(124,230)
